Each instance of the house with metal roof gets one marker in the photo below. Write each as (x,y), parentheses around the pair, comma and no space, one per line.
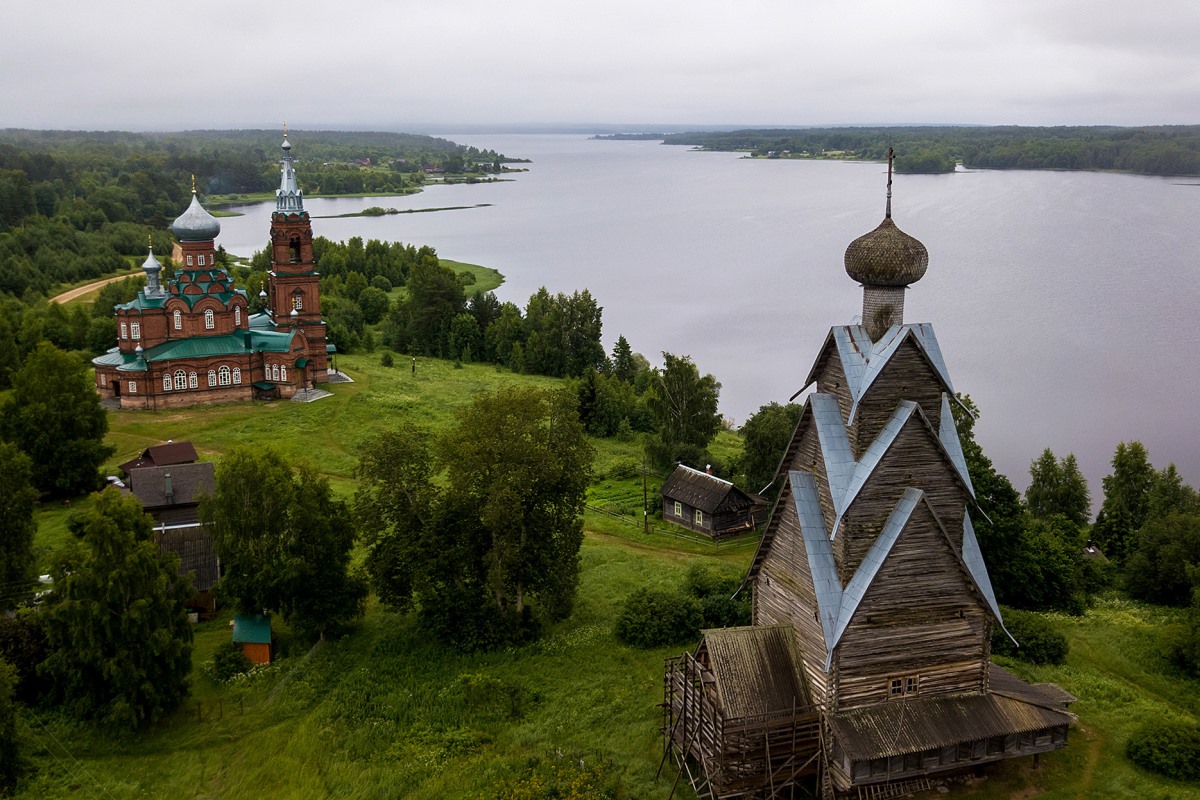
(192,340)
(253,633)
(871,567)
(704,503)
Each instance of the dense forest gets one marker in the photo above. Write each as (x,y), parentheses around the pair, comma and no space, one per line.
(1157,150)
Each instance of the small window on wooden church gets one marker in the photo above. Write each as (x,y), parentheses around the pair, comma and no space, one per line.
(906,686)
(911,684)
(177,320)
(210,321)
(678,509)
(699,517)
(897,688)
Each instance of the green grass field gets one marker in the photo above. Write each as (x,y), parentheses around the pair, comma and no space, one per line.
(386,713)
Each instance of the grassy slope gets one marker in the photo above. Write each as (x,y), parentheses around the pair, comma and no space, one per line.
(383,713)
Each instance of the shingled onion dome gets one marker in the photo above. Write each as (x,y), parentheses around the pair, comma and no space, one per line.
(885,261)
(195,224)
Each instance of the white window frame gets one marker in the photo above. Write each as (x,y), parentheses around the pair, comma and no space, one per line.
(193,380)
(177,319)
(678,509)
(283,374)
(135,331)
(298,301)
(166,381)
(212,377)
(133,387)
(210,319)
(180,379)
(237,376)
(124,330)
(223,376)
(189,259)
(237,316)
(200,260)
(699,517)
(103,379)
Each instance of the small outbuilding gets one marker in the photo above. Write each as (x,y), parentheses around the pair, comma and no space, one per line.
(253,633)
(706,504)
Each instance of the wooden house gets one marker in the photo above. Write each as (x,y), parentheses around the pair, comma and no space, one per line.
(253,633)
(706,504)
(871,567)
(171,494)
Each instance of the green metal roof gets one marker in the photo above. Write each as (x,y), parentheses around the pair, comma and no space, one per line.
(200,347)
(302,362)
(141,302)
(251,629)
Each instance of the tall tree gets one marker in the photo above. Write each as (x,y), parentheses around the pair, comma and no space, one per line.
(17,500)
(116,621)
(766,435)
(54,416)
(1058,487)
(1126,501)
(624,367)
(496,548)
(684,405)
(284,541)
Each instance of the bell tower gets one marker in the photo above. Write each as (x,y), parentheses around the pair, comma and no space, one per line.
(294,294)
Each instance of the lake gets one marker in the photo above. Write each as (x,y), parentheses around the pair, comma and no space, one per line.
(1064,302)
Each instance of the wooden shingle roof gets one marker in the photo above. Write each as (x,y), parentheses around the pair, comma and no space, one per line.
(703,491)
(758,670)
(174,485)
(161,455)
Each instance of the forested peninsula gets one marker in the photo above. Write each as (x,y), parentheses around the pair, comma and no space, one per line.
(1152,150)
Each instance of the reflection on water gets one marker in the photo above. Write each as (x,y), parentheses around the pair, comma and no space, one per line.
(1063,301)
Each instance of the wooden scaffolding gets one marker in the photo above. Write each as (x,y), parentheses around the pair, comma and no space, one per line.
(763,755)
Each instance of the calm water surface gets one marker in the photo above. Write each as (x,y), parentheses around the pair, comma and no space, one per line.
(1064,302)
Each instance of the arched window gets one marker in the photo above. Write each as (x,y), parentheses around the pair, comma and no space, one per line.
(223,374)
(294,249)
(283,374)
(298,301)
(237,315)
(266,372)
(274,372)
(177,319)
(237,375)
(210,321)
(166,381)
(193,380)
(135,330)
(180,379)
(124,330)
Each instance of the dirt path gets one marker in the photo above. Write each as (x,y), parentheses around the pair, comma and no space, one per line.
(79,291)
(1083,783)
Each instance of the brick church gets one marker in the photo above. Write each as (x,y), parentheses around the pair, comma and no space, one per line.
(193,340)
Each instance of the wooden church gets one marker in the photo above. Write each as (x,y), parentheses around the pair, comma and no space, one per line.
(868,663)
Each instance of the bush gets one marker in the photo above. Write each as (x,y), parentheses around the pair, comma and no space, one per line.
(387,360)
(658,617)
(723,612)
(230,660)
(1040,642)
(706,580)
(1167,747)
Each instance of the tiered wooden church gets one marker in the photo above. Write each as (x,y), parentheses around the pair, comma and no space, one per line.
(193,340)
(869,661)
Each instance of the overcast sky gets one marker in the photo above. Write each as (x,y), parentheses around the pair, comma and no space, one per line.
(407,64)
